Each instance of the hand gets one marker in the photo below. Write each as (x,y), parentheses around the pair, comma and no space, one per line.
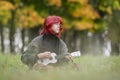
(68,57)
(44,55)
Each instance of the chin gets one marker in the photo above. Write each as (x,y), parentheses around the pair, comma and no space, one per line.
(57,32)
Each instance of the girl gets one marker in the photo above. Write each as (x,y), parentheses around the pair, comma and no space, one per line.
(46,43)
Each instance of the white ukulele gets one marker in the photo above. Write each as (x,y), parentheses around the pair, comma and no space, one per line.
(54,60)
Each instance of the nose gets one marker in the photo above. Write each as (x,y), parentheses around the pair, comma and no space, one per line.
(58,25)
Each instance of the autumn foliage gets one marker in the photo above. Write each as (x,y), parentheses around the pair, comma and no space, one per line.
(27,17)
(5,11)
(83,14)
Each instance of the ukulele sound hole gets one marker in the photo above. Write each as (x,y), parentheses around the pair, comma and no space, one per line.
(50,58)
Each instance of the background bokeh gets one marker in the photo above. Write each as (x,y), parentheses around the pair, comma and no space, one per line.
(91,26)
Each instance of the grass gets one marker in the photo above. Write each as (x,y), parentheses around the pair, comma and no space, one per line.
(91,68)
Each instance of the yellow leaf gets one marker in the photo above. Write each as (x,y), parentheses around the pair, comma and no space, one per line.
(6,5)
(109,10)
(86,11)
(92,30)
(83,2)
(83,25)
(66,24)
(57,3)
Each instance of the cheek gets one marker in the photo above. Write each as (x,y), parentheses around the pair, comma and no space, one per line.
(54,27)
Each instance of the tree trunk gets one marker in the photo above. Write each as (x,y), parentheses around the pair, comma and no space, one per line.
(33,32)
(114,32)
(2,37)
(12,32)
(115,48)
(98,42)
(83,45)
(69,39)
(23,39)
(75,40)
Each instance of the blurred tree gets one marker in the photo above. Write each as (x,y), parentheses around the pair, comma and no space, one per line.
(106,9)
(79,17)
(28,19)
(2,37)
(5,16)
(114,32)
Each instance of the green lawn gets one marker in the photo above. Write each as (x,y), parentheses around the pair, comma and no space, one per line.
(90,68)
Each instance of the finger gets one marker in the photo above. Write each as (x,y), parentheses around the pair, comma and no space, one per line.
(47,52)
(47,55)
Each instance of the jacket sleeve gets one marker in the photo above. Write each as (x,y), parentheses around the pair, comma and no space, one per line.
(29,56)
(63,48)
(63,51)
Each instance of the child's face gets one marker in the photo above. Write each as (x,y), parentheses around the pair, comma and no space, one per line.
(56,27)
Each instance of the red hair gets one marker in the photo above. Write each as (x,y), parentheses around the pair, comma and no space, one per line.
(49,21)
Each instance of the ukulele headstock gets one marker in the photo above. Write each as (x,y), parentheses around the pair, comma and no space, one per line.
(76,54)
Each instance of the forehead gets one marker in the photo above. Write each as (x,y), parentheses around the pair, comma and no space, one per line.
(57,23)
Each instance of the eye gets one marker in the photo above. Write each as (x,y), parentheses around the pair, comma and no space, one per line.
(58,23)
